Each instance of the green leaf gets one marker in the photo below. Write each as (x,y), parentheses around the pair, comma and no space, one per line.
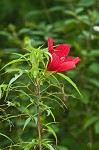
(25,56)
(31,100)
(14,70)
(94,53)
(52,131)
(24,31)
(71,82)
(86,3)
(96,127)
(55,79)
(49,112)
(49,54)
(15,78)
(35,119)
(79,10)
(86,96)
(94,82)
(56,8)
(62,148)
(6,34)
(94,68)
(6,137)
(26,122)
(52,115)
(25,94)
(12,62)
(2,89)
(49,146)
(89,121)
(72,13)
(30,145)
(0,93)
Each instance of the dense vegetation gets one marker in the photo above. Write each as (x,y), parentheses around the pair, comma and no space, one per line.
(66,21)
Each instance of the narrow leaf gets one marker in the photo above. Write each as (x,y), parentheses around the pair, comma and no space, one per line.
(53,132)
(15,78)
(12,62)
(6,137)
(90,120)
(96,127)
(49,146)
(26,122)
(71,82)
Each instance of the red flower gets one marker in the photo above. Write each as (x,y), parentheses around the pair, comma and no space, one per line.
(59,61)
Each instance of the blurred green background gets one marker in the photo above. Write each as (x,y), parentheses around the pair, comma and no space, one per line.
(66,21)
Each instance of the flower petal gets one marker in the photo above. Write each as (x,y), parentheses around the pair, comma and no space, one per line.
(66,66)
(75,59)
(50,45)
(60,62)
(62,50)
(54,63)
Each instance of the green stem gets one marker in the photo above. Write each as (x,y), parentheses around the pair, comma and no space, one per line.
(38,112)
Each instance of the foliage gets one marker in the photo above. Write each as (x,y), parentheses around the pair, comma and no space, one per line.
(67,22)
(37,95)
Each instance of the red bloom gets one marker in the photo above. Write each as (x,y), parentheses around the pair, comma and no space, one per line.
(59,61)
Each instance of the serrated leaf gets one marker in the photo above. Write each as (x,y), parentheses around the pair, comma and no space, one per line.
(71,82)
(26,122)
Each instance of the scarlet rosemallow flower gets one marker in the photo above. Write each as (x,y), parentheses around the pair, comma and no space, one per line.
(59,61)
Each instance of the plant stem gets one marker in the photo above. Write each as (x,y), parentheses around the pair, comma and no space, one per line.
(38,112)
